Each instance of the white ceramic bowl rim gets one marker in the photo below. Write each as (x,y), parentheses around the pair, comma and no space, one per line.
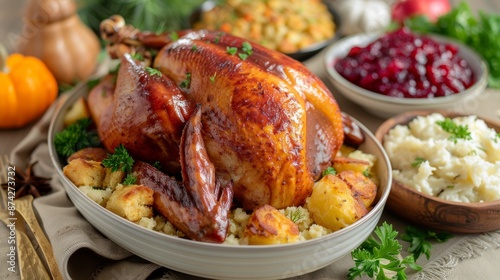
(330,61)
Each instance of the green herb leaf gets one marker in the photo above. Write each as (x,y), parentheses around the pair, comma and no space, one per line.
(418,161)
(296,216)
(194,48)
(329,171)
(129,180)
(419,243)
(75,137)
(186,82)
(231,50)
(374,257)
(218,37)
(138,56)
(153,71)
(247,48)
(243,56)
(174,36)
(120,160)
(212,78)
(456,131)
(157,165)
(366,173)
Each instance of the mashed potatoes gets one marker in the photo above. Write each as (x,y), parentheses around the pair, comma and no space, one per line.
(436,162)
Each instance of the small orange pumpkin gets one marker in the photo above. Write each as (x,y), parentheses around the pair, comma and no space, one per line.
(27,88)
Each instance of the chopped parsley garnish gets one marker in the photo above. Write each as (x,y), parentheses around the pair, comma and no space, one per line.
(246,48)
(231,50)
(366,173)
(418,161)
(138,56)
(75,137)
(120,160)
(296,215)
(419,240)
(212,78)
(174,36)
(329,171)
(194,48)
(185,83)
(243,56)
(217,37)
(456,131)
(153,71)
(157,165)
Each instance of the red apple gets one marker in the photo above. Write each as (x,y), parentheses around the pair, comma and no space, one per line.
(403,9)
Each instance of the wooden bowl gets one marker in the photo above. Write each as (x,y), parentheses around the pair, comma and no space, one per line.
(433,212)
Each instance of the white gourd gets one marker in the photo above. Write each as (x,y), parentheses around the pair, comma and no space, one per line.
(363,16)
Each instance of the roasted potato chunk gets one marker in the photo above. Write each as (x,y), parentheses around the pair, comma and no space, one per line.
(333,205)
(361,186)
(268,226)
(79,110)
(85,172)
(344,163)
(131,202)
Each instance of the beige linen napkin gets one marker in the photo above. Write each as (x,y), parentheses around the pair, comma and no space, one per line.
(81,251)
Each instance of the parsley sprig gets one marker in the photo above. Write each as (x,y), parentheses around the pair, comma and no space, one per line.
(456,131)
(119,160)
(374,258)
(419,240)
(75,137)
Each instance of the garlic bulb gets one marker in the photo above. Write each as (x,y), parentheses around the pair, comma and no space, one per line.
(367,16)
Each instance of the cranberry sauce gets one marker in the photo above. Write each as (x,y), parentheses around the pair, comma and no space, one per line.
(402,64)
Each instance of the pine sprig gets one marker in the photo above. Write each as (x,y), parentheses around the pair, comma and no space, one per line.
(150,15)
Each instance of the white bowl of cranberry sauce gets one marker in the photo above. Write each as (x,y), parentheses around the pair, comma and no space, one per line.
(399,71)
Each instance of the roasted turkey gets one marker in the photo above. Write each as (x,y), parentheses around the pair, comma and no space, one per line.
(268,125)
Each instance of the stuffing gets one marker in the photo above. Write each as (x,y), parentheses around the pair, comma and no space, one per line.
(131,202)
(99,195)
(85,172)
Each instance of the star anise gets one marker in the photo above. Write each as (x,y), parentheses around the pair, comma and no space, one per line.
(28,183)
